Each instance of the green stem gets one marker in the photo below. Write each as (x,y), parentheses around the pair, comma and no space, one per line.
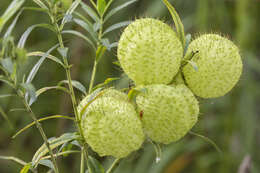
(39,127)
(93,76)
(82,161)
(113,166)
(72,94)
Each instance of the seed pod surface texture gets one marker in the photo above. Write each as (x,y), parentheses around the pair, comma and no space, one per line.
(169,112)
(111,126)
(150,52)
(219,66)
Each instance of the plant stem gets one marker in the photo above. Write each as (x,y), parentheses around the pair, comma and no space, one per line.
(113,166)
(93,76)
(72,94)
(82,161)
(39,127)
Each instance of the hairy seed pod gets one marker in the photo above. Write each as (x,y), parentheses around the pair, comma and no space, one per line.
(168,112)
(150,52)
(219,66)
(111,125)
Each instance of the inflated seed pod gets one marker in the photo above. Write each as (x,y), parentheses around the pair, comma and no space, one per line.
(219,66)
(111,125)
(168,112)
(150,52)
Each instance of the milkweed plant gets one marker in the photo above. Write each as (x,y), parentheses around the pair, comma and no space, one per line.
(170,72)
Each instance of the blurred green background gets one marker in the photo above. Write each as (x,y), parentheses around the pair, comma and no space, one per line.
(231,121)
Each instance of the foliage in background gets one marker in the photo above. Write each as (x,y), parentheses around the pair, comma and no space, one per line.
(231,121)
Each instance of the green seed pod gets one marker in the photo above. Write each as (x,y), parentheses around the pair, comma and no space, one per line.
(150,52)
(168,112)
(219,66)
(111,125)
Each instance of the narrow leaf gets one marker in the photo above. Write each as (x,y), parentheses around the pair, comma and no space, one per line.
(177,21)
(100,52)
(15,159)
(26,168)
(116,26)
(101,5)
(117,9)
(10,28)
(107,81)
(76,84)
(39,63)
(54,143)
(188,39)
(90,11)
(30,89)
(42,90)
(88,27)
(7,64)
(63,51)
(193,64)
(47,163)
(40,4)
(26,34)
(7,95)
(10,11)
(51,57)
(70,11)
(76,33)
(39,120)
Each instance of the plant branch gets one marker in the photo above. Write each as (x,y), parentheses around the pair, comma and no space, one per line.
(82,161)
(39,127)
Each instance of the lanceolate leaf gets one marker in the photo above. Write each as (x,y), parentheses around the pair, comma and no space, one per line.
(47,163)
(107,81)
(39,63)
(25,35)
(54,143)
(101,5)
(41,4)
(81,36)
(177,21)
(26,168)
(90,11)
(76,84)
(70,10)
(31,91)
(51,57)
(10,28)
(39,120)
(117,9)
(10,11)
(88,27)
(116,26)
(42,90)
(7,64)
(19,161)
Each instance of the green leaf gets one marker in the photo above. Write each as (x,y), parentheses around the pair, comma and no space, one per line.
(10,11)
(6,81)
(95,166)
(40,4)
(42,90)
(39,120)
(26,34)
(2,112)
(54,143)
(177,21)
(47,163)
(39,63)
(7,64)
(10,28)
(51,57)
(26,168)
(188,40)
(90,12)
(100,52)
(15,159)
(117,9)
(63,51)
(207,140)
(88,27)
(193,64)
(7,95)
(81,36)
(116,26)
(69,12)
(76,84)
(107,81)
(30,89)
(101,5)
